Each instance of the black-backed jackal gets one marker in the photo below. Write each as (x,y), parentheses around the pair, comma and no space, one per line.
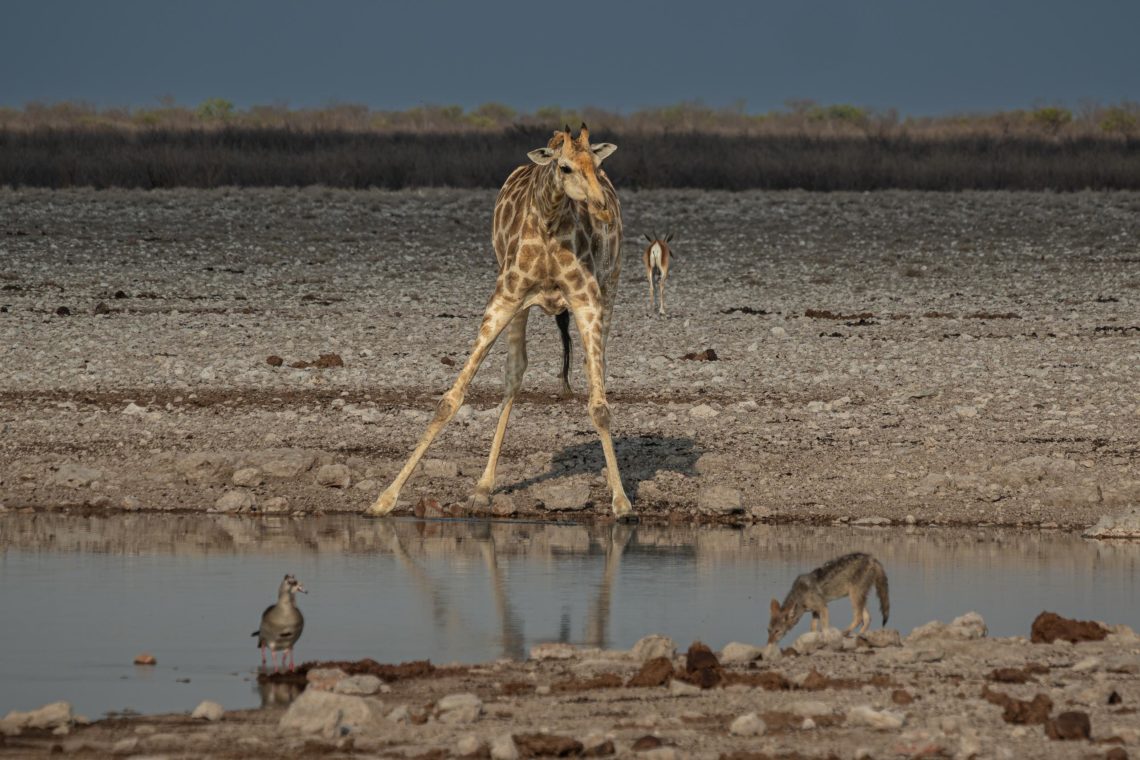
(851,575)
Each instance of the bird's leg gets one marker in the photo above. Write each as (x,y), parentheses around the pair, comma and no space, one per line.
(263,656)
(273,657)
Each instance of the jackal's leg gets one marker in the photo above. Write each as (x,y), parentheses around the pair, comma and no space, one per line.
(866,618)
(516,367)
(591,328)
(823,619)
(858,610)
(501,309)
(814,620)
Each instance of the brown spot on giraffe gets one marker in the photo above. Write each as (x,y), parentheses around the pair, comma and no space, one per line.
(557,231)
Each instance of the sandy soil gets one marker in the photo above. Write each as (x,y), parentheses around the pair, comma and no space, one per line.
(948,358)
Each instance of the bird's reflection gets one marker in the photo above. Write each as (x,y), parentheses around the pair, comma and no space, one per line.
(278,693)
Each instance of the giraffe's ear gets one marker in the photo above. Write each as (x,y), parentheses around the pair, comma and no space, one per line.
(541,156)
(602,151)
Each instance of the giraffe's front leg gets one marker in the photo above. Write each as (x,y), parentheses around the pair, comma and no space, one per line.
(590,327)
(516,368)
(500,311)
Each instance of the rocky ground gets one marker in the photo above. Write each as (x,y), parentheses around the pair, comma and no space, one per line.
(946,690)
(966,358)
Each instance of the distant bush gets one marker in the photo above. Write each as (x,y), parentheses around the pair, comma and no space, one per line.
(215,109)
(1052,119)
(283,156)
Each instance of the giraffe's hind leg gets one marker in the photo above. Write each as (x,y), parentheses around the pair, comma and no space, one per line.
(592,328)
(516,368)
(501,309)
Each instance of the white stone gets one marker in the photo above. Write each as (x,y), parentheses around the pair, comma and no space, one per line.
(682,689)
(235,500)
(208,710)
(968,626)
(360,685)
(1123,524)
(831,639)
(50,715)
(74,476)
(703,412)
(865,715)
(736,652)
(459,708)
(468,745)
(654,645)
(720,500)
(553,650)
(334,476)
(503,748)
(883,637)
(249,477)
(332,715)
(749,724)
(132,409)
(275,504)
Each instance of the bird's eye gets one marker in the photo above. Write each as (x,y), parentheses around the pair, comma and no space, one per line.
(565,169)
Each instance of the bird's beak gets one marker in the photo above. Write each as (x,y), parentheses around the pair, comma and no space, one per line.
(301,589)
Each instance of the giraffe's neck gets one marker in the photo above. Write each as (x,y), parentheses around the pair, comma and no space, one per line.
(550,202)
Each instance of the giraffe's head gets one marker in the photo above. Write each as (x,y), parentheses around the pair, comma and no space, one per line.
(576,164)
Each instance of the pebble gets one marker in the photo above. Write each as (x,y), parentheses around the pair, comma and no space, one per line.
(208,710)
(334,476)
(749,724)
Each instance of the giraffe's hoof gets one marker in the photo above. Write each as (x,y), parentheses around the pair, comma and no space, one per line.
(480,501)
(629,518)
(383,505)
(622,506)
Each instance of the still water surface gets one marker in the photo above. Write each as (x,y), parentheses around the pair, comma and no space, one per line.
(80,597)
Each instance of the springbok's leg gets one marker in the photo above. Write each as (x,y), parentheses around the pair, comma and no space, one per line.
(500,311)
(516,367)
(661,291)
(590,328)
(649,277)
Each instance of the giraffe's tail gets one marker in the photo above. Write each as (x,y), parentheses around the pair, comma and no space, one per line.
(563,320)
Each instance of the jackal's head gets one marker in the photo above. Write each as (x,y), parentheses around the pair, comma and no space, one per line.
(783,619)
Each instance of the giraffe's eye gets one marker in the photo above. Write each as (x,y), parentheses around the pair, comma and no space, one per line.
(565,169)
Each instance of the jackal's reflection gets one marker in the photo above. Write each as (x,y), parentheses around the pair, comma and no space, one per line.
(610,540)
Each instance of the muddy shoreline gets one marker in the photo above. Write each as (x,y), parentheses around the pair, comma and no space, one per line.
(945,690)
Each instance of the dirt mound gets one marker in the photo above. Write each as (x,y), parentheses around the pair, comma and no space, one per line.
(1049,626)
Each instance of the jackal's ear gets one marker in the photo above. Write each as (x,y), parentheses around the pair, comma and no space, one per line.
(602,151)
(775,608)
(541,156)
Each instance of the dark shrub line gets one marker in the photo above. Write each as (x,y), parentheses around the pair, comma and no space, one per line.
(103,158)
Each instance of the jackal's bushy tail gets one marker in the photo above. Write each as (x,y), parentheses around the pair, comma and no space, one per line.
(882,591)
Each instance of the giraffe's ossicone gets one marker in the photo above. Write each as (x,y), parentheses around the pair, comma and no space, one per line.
(557,237)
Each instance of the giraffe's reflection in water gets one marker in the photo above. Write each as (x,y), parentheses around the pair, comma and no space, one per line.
(510,627)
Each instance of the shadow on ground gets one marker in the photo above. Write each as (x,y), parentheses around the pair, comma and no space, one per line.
(639,458)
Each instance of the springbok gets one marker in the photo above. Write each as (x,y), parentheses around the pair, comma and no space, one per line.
(657,255)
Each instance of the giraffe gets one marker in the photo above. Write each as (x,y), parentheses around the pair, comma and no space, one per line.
(557,232)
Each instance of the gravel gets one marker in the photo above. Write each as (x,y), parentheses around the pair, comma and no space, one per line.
(971,358)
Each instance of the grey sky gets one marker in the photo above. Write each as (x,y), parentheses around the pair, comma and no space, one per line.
(918,56)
